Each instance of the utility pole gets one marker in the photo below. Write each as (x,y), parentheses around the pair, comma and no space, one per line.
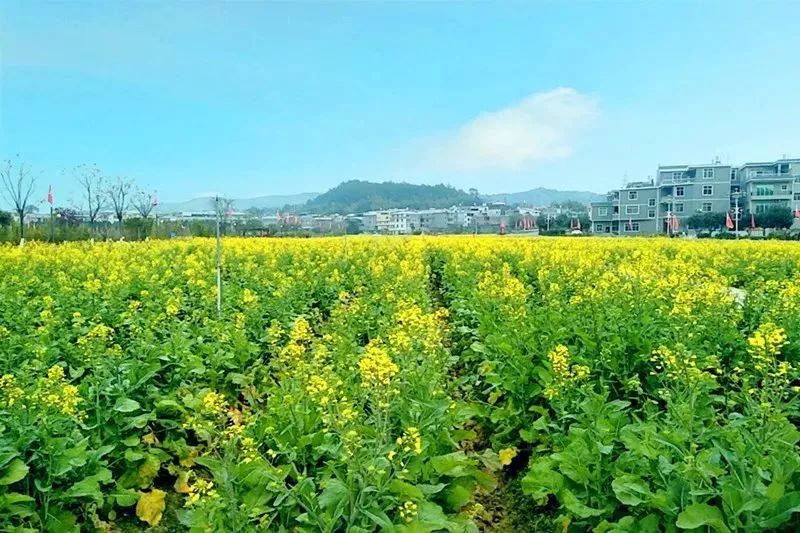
(219,261)
(736,212)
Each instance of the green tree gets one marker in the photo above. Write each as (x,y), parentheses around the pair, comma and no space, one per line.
(707,221)
(775,217)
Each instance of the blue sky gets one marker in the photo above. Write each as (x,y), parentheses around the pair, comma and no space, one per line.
(259,98)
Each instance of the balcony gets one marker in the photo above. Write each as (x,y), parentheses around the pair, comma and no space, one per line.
(768,176)
(675,181)
(783,195)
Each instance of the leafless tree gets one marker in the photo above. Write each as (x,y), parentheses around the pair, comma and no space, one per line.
(221,206)
(91,181)
(144,203)
(119,193)
(18,182)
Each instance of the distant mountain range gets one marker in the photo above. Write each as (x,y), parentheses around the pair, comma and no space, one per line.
(206,203)
(356,196)
(542,196)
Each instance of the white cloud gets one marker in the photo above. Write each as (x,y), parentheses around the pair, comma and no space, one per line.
(542,126)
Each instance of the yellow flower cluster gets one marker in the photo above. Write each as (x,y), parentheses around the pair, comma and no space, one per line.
(376,367)
(319,389)
(10,392)
(506,289)
(680,365)
(410,441)
(408,511)
(249,297)
(213,404)
(200,491)
(765,345)
(563,374)
(98,333)
(53,392)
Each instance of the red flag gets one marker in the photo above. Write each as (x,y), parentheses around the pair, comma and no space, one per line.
(797,213)
(752,220)
(728,221)
(229,212)
(578,223)
(676,224)
(50,194)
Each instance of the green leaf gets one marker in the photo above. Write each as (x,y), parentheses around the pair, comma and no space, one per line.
(577,507)
(784,509)
(133,455)
(459,493)
(379,518)
(699,515)
(541,481)
(454,464)
(16,504)
(334,494)
(630,490)
(126,405)
(6,456)
(432,516)
(431,489)
(131,441)
(15,471)
(88,487)
(775,491)
(401,488)
(61,521)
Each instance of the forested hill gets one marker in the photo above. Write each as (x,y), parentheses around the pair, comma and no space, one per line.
(357,196)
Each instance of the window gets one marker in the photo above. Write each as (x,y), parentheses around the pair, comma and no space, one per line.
(765,190)
(602,211)
(632,227)
(708,173)
(706,207)
(651,202)
(598,227)
(708,190)
(680,191)
(784,187)
(797,196)
(633,195)
(679,208)
(677,175)
(733,174)
(616,209)
(651,213)
(631,209)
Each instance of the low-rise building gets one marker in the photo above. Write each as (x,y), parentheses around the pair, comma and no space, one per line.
(664,205)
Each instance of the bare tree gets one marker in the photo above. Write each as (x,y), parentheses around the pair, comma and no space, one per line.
(18,182)
(119,193)
(221,206)
(144,203)
(91,181)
